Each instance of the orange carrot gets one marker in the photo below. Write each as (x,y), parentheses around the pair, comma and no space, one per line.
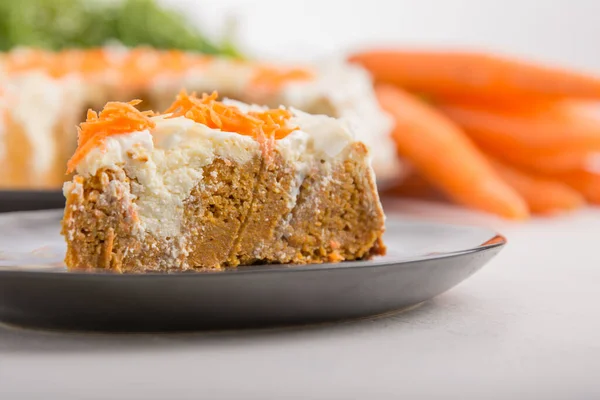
(444,72)
(446,157)
(585,182)
(562,126)
(496,102)
(543,196)
(537,161)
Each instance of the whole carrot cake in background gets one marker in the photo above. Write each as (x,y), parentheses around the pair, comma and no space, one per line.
(211,184)
(44,94)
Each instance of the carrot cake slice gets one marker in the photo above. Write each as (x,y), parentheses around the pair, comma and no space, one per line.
(213,184)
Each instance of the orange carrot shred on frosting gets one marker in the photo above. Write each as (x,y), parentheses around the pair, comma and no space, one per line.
(261,125)
(119,118)
(116,118)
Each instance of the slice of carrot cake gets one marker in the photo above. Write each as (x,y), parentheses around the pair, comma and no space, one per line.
(211,184)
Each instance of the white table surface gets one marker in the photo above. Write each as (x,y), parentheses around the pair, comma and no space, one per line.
(527,326)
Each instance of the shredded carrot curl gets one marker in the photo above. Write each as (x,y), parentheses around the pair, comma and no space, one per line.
(119,118)
(116,118)
(214,114)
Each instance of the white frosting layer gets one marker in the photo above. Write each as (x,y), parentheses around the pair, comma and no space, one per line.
(166,164)
(328,136)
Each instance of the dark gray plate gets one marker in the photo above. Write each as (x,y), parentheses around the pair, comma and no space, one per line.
(424,260)
(26,200)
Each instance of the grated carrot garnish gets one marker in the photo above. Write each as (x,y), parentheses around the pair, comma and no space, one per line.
(269,78)
(120,118)
(261,125)
(116,118)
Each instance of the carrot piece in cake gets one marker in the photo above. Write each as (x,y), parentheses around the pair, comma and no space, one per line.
(116,118)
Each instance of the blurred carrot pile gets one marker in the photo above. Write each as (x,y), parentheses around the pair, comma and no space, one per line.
(495,134)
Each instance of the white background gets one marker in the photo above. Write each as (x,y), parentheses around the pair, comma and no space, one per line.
(564,32)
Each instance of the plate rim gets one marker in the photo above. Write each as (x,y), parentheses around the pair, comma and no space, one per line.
(495,240)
